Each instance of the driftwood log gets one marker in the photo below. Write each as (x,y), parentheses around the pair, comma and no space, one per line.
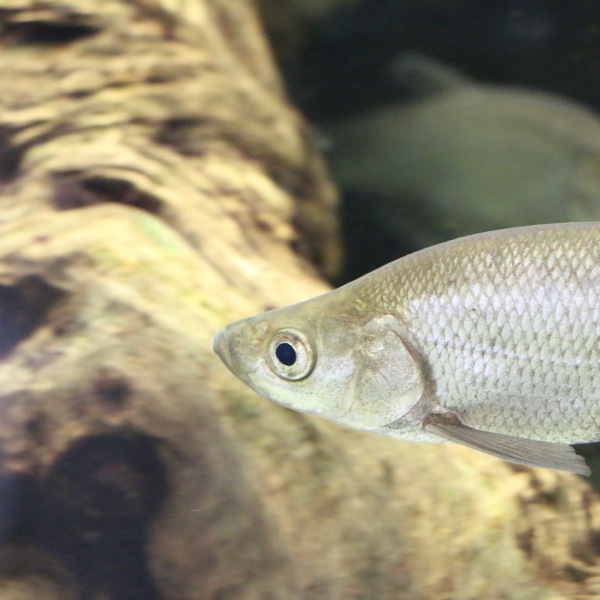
(155,183)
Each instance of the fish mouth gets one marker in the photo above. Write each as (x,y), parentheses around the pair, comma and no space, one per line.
(221,347)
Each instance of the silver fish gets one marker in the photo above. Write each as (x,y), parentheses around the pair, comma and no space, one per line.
(491,341)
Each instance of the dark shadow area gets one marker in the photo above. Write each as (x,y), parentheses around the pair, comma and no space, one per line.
(96,505)
(73,191)
(44,33)
(23,308)
(10,156)
(19,499)
(369,234)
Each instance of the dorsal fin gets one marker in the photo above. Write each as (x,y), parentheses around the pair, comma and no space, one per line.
(423,76)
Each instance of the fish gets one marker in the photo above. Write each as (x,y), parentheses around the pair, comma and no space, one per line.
(462,157)
(490,341)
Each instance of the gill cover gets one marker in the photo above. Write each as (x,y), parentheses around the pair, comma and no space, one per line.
(388,380)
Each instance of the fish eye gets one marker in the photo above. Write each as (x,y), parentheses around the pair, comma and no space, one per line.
(290,355)
(286,354)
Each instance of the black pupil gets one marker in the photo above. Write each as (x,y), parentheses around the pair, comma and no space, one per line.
(285,354)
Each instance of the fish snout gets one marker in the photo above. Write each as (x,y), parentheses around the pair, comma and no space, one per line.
(220,347)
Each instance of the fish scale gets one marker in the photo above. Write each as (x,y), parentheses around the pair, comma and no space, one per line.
(487,350)
(491,341)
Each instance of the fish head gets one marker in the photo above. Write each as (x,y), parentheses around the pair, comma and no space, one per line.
(325,358)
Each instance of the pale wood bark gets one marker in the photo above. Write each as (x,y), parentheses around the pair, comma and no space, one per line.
(156,184)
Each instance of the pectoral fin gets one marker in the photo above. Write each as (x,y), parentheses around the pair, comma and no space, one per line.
(532,453)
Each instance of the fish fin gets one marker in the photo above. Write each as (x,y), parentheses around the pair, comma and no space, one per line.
(532,453)
(423,76)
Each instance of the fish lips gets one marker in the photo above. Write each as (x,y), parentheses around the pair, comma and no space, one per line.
(221,347)
(225,345)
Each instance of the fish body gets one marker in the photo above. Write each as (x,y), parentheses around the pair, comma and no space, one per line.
(492,341)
